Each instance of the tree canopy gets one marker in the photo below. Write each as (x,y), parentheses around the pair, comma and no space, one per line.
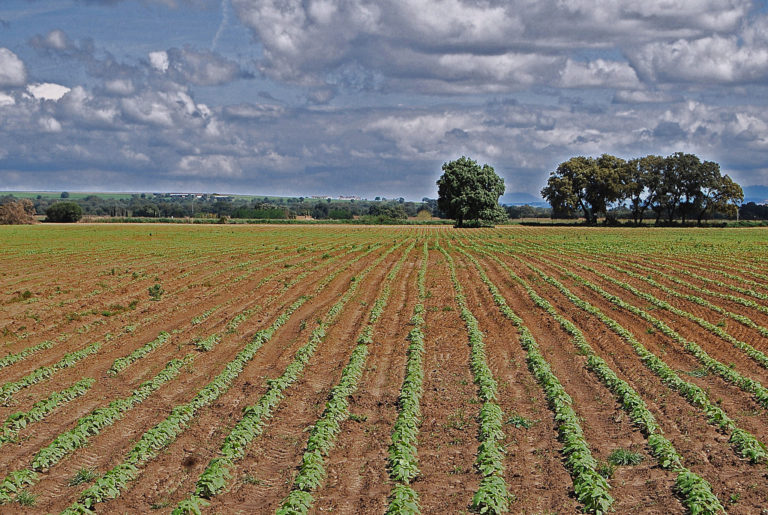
(469,193)
(679,185)
(64,212)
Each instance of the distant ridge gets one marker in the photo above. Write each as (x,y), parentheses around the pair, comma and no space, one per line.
(519,198)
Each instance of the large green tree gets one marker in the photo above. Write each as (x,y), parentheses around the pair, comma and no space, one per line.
(469,193)
(585,184)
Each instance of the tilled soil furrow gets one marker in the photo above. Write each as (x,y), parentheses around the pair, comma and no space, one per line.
(605,426)
(357,479)
(449,406)
(263,478)
(704,449)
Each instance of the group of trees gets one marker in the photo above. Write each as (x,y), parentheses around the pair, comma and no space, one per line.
(159,205)
(679,185)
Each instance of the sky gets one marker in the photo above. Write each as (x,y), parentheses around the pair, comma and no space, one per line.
(367,97)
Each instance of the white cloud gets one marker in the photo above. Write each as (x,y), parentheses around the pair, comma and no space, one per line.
(49,124)
(209,166)
(6,100)
(12,69)
(57,39)
(711,59)
(159,60)
(47,91)
(122,87)
(598,73)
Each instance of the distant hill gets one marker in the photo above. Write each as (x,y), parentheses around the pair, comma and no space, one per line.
(519,198)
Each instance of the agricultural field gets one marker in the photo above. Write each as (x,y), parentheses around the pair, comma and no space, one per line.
(303,369)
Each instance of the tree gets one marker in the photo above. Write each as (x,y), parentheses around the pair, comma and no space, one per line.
(641,184)
(470,194)
(64,212)
(726,197)
(18,212)
(586,184)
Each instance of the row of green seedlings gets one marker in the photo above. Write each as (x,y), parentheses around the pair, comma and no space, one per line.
(744,291)
(748,349)
(111,484)
(324,432)
(86,427)
(592,489)
(213,340)
(121,364)
(739,279)
(749,385)
(13,358)
(744,443)
(17,421)
(749,303)
(10,359)
(492,496)
(726,264)
(207,344)
(216,475)
(742,319)
(403,461)
(46,371)
(695,492)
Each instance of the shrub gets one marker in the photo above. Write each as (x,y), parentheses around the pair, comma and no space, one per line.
(18,212)
(64,212)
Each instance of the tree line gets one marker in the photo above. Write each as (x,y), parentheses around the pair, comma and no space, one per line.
(677,186)
(161,205)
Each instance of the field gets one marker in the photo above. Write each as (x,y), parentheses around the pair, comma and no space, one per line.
(290,369)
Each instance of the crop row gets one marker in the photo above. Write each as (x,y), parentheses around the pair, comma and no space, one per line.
(121,364)
(758,391)
(492,495)
(324,432)
(86,427)
(739,279)
(10,359)
(46,371)
(214,478)
(161,435)
(749,303)
(111,484)
(208,343)
(41,409)
(592,490)
(745,444)
(403,462)
(749,350)
(742,319)
(744,291)
(699,499)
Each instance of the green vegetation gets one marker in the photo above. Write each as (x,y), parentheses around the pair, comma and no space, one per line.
(677,185)
(64,212)
(470,194)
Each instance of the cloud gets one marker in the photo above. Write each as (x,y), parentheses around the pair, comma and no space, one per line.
(12,69)
(598,73)
(47,91)
(203,68)
(712,59)
(208,166)
(159,60)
